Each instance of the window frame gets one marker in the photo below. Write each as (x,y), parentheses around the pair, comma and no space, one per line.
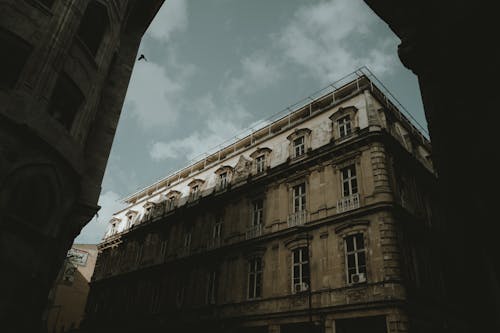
(254,278)
(304,136)
(349,180)
(355,252)
(301,197)
(300,264)
(257,212)
(299,149)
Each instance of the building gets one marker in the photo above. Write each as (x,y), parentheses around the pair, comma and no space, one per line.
(68,297)
(65,68)
(318,221)
(452,74)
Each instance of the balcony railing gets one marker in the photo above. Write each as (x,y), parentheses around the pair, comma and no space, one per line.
(254,231)
(194,196)
(297,218)
(184,251)
(348,203)
(222,185)
(214,243)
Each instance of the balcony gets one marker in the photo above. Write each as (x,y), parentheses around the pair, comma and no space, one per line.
(254,231)
(222,186)
(297,218)
(348,203)
(184,251)
(214,243)
(194,197)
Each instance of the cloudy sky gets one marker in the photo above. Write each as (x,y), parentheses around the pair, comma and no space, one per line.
(218,67)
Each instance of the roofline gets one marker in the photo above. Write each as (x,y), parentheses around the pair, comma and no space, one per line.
(362,73)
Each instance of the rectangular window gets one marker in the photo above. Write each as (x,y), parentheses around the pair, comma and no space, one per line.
(260,163)
(170,204)
(187,240)
(299,198)
(195,192)
(211,287)
(258,212)
(164,247)
(344,125)
(300,269)
(255,278)
(355,254)
(217,229)
(223,181)
(299,147)
(349,181)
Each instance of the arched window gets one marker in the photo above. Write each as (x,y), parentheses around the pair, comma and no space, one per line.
(93,26)
(66,100)
(12,59)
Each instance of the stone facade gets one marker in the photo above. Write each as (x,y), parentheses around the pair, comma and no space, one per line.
(65,69)
(301,226)
(68,297)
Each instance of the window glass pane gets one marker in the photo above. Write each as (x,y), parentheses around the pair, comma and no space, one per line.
(360,244)
(296,272)
(305,254)
(351,262)
(354,185)
(349,243)
(258,264)
(305,270)
(361,259)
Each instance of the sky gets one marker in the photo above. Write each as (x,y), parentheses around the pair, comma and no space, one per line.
(216,68)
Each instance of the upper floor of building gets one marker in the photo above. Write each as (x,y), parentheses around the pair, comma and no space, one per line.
(273,161)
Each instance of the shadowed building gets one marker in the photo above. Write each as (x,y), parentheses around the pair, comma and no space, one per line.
(450,46)
(318,221)
(68,297)
(64,70)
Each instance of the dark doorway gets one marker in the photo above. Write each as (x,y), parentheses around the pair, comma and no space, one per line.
(361,325)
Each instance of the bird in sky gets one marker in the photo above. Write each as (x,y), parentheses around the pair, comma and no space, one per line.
(142,57)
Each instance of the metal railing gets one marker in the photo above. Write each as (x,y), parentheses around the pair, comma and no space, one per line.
(214,243)
(348,203)
(254,231)
(297,218)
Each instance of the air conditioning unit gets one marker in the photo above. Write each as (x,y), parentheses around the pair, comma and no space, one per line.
(358,278)
(298,287)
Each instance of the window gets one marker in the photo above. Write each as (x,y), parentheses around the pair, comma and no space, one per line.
(258,212)
(223,181)
(349,181)
(300,269)
(187,240)
(163,247)
(195,192)
(260,163)
(211,287)
(170,204)
(14,57)
(299,198)
(93,26)
(355,258)
(344,125)
(217,229)
(255,278)
(299,147)
(65,101)
(147,212)
(113,228)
